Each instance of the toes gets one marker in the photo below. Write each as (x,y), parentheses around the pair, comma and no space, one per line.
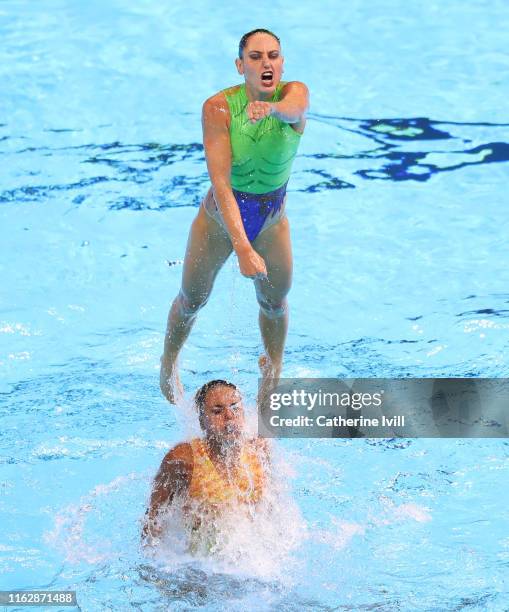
(263,362)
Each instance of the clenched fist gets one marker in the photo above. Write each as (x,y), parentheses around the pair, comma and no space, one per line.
(258,110)
(251,264)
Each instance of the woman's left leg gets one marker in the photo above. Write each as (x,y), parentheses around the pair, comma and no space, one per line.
(274,245)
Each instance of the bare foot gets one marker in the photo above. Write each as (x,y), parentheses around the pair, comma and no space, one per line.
(169,381)
(268,368)
(265,366)
(270,377)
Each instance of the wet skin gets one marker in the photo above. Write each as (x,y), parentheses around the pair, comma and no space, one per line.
(268,260)
(223,423)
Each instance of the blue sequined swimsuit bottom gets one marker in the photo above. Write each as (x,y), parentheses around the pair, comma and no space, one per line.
(255,209)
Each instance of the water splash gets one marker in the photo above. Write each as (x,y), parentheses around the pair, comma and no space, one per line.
(70,534)
(258,543)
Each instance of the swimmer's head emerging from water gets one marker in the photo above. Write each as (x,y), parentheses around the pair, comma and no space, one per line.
(220,410)
(260,60)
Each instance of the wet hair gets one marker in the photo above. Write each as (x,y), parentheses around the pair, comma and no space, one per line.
(246,37)
(201,395)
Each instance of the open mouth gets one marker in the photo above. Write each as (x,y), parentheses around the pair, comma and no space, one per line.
(267,77)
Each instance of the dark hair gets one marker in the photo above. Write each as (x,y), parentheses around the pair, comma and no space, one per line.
(245,38)
(201,394)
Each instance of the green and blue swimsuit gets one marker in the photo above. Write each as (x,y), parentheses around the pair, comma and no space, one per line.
(262,156)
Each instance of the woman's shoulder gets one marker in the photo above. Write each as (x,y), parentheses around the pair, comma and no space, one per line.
(181,452)
(220,96)
(296,85)
(215,111)
(231,91)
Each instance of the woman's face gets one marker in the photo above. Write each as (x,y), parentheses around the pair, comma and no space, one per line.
(223,413)
(261,58)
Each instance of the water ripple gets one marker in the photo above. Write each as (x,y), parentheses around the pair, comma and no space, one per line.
(394,149)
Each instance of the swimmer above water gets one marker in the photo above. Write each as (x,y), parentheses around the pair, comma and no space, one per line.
(251,133)
(223,472)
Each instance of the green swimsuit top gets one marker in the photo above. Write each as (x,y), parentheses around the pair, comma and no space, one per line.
(262,152)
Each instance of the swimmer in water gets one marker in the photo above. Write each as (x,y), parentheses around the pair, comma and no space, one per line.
(251,133)
(223,471)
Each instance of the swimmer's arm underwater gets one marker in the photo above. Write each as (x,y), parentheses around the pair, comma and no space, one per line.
(172,479)
(216,141)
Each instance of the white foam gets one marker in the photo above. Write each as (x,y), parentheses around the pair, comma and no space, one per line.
(68,533)
(258,544)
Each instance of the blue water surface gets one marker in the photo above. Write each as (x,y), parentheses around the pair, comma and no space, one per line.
(399,220)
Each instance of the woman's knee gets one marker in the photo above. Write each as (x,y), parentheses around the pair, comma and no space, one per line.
(189,306)
(273,308)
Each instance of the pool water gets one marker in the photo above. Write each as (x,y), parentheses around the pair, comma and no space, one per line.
(399,225)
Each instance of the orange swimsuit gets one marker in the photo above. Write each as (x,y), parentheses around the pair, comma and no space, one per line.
(213,499)
(210,488)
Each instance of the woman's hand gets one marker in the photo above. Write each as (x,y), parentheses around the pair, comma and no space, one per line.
(251,264)
(258,110)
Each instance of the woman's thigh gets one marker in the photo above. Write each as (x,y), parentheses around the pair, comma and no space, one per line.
(274,245)
(208,247)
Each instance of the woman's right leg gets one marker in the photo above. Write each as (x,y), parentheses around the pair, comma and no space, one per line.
(208,247)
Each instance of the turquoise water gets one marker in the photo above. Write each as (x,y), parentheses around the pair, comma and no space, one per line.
(399,226)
